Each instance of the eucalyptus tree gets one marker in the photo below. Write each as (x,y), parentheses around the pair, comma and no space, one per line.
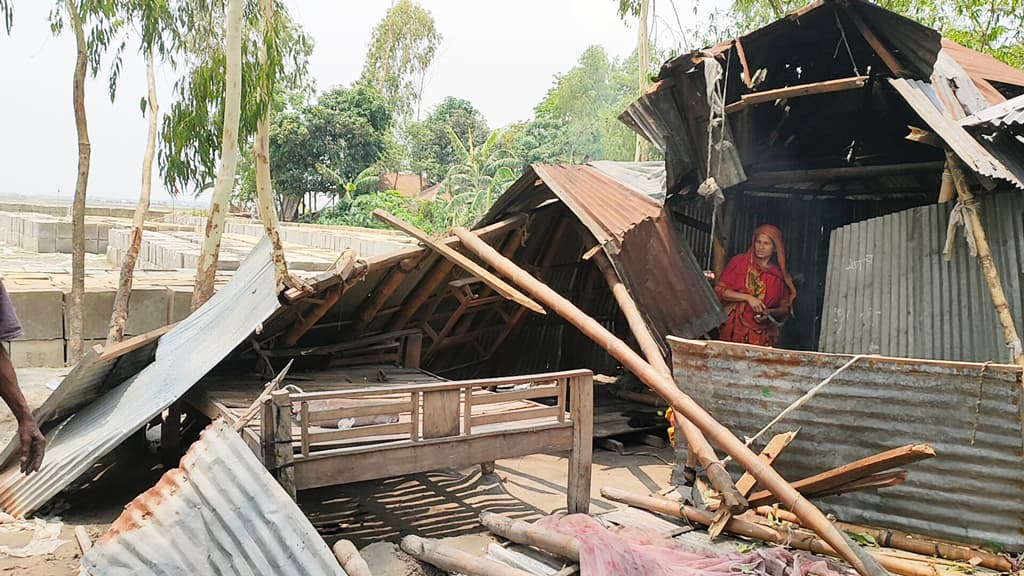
(402,47)
(207,123)
(153,22)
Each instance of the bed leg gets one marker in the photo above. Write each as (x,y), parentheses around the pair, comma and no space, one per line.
(581,394)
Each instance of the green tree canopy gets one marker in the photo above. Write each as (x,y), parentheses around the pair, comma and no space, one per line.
(430,142)
(402,48)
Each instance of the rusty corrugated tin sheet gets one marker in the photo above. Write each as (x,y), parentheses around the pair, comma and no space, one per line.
(607,208)
(970,413)
(984,68)
(889,290)
(220,513)
(183,356)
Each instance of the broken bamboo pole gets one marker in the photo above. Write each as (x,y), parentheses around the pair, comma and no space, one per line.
(452,559)
(695,440)
(747,482)
(529,535)
(984,254)
(795,539)
(348,556)
(908,542)
(680,402)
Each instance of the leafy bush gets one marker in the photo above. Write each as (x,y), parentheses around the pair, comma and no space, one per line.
(430,216)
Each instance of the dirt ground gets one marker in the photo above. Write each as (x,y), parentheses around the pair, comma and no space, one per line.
(442,504)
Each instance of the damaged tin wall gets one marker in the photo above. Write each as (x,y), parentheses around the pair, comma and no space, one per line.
(889,290)
(183,356)
(969,413)
(220,513)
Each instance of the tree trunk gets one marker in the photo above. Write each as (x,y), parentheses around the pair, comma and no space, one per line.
(75,319)
(261,157)
(643,148)
(119,317)
(207,270)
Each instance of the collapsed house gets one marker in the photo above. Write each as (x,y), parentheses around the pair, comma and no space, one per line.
(871,141)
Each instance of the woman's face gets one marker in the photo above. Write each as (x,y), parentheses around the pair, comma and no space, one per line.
(763,247)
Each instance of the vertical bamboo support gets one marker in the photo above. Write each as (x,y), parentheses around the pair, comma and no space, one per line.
(680,402)
(988,266)
(277,439)
(581,391)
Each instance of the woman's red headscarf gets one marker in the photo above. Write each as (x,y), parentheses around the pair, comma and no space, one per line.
(780,256)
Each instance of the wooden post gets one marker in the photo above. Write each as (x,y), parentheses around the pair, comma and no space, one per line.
(723,232)
(695,441)
(170,436)
(680,402)
(276,431)
(581,410)
(411,348)
(988,266)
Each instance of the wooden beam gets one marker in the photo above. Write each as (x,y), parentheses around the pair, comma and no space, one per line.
(844,173)
(299,329)
(684,405)
(839,85)
(368,311)
(853,471)
(276,431)
(876,44)
(496,283)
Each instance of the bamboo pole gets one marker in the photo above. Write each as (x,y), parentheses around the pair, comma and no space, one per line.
(452,559)
(348,556)
(915,543)
(680,402)
(695,441)
(988,266)
(529,535)
(800,540)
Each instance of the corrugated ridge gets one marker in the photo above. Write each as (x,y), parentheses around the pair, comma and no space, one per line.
(219,513)
(966,492)
(183,356)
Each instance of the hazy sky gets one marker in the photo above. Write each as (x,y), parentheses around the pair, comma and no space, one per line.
(501,55)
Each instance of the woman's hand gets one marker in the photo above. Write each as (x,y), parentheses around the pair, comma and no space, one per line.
(756,305)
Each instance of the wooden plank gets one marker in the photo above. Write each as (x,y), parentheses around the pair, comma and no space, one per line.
(412,348)
(414,432)
(84,543)
(581,390)
(496,283)
(443,385)
(528,394)
(441,413)
(367,409)
(467,411)
(277,439)
(375,462)
(517,416)
(133,343)
(838,85)
(359,344)
(304,422)
(359,432)
(853,471)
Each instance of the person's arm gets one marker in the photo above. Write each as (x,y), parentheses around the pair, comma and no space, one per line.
(730,295)
(33,443)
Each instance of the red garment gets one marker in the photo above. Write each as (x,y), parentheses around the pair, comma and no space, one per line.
(771,284)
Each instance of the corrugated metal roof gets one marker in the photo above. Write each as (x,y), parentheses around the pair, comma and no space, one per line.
(970,413)
(647,178)
(922,98)
(1004,114)
(982,68)
(606,207)
(220,512)
(183,356)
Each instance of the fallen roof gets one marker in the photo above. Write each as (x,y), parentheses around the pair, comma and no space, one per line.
(220,512)
(183,356)
(1006,113)
(984,70)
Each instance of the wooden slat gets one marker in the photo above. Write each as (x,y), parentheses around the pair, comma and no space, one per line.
(825,87)
(359,432)
(467,411)
(414,433)
(408,388)
(517,416)
(133,343)
(528,394)
(463,261)
(335,414)
(441,413)
(304,422)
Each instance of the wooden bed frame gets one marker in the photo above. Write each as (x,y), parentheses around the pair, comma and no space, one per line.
(425,423)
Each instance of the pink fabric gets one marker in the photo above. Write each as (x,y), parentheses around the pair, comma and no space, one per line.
(624,551)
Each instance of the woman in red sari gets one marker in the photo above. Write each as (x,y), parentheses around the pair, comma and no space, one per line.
(756,289)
